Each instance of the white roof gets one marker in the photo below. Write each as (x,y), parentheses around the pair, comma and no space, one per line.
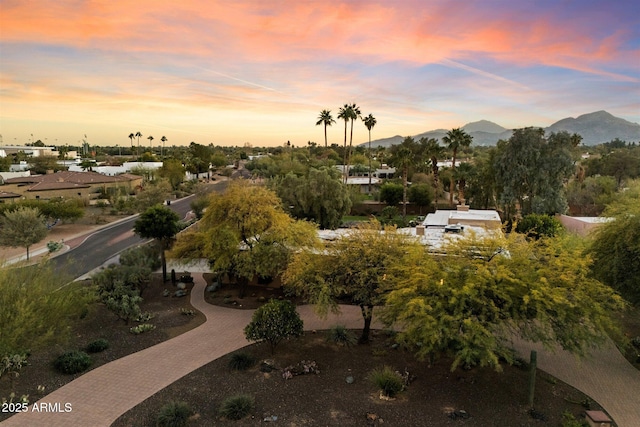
(592,219)
(362,180)
(442,218)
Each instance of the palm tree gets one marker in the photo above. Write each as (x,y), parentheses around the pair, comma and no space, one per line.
(455,139)
(345,114)
(163,139)
(403,157)
(432,150)
(354,113)
(369,122)
(150,138)
(325,119)
(131,136)
(138,135)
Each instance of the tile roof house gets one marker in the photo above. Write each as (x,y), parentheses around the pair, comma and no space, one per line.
(68,184)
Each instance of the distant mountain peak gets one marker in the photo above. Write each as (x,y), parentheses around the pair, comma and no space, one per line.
(483,126)
(595,128)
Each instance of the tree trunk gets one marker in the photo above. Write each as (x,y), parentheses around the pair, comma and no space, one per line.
(164,264)
(325,135)
(404,193)
(27,253)
(369,161)
(452,183)
(367,314)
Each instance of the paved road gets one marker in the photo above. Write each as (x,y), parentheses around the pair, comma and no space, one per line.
(100,396)
(91,252)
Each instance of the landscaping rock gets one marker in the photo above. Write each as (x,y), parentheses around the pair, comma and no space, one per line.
(180,293)
(181,285)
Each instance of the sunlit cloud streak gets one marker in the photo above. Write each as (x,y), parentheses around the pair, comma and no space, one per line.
(261,71)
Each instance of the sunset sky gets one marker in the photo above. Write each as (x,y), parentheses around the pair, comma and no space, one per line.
(231,72)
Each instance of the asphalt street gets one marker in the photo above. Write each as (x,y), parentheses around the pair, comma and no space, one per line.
(106,243)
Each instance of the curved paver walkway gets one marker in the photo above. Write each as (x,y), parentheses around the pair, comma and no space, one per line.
(99,397)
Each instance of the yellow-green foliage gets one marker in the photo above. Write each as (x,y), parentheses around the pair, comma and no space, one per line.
(471,301)
(34,309)
(246,231)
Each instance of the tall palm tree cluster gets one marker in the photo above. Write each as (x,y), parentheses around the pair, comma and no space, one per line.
(349,113)
(139,135)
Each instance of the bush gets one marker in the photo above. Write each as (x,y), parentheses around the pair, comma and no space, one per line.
(72,362)
(568,420)
(174,414)
(536,226)
(339,334)
(387,380)
(97,346)
(140,329)
(273,322)
(241,361)
(237,407)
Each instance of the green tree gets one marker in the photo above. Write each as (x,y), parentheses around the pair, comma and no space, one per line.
(616,245)
(36,309)
(152,194)
(138,135)
(369,122)
(161,224)
(470,303)
(173,171)
(431,150)
(536,226)
(403,157)
(198,158)
(22,228)
(391,193)
(455,139)
(246,233)
(5,164)
(325,119)
(275,321)
(590,196)
(421,195)
(131,138)
(531,170)
(355,267)
(319,196)
(45,164)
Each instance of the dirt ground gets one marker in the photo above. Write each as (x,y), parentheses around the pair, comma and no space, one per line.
(327,399)
(101,323)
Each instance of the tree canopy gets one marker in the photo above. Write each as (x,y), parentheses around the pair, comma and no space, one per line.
(319,196)
(161,224)
(531,170)
(353,268)
(471,302)
(22,228)
(616,245)
(245,232)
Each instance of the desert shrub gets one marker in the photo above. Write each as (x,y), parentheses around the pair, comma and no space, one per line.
(141,329)
(97,346)
(241,361)
(273,322)
(72,362)
(174,414)
(569,420)
(536,226)
(237,407)
(123,301)
(387,380)
(147,256)
(339,334)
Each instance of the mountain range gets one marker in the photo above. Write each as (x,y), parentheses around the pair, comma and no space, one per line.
(595,128)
